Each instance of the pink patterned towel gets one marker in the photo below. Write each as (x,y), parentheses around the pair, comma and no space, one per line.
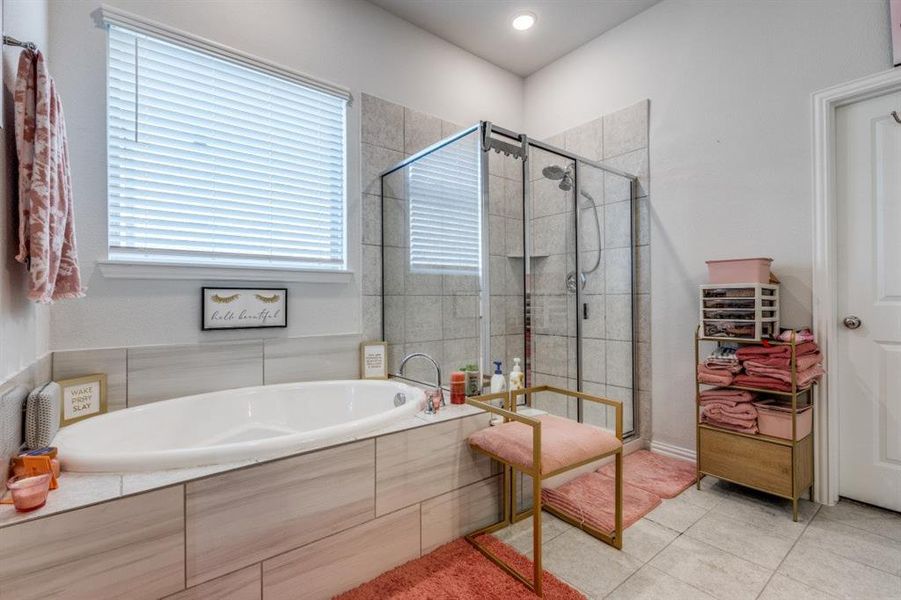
(46,219)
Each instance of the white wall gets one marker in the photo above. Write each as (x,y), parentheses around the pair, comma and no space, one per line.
(351,43)
(730,145)
(24,326)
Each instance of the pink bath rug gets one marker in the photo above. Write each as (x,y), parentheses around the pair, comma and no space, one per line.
(589,498)
(660,475)
(457,571)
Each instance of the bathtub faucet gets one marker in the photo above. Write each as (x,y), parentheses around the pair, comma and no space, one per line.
(435,398)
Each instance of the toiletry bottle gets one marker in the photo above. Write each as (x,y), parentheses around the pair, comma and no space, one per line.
(517,377)
(498,381)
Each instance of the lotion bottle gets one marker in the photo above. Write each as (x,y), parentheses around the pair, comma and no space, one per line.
(517,377)
(498,381)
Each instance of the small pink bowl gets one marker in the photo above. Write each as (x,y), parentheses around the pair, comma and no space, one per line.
(29,493)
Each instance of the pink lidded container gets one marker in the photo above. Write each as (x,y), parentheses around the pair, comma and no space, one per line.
(775,420)
(739,270)
(29,493)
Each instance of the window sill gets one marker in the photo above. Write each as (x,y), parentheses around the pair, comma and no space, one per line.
(118,269)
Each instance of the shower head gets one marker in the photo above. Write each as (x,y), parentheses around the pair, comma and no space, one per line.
(553,172)
(556,173)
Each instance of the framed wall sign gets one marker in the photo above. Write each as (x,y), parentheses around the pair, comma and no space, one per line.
(82,397)
(374,360)
(243,308)
(896,31)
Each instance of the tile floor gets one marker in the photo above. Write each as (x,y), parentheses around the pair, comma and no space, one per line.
(726,542)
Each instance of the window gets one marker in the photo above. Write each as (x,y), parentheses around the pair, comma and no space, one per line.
(445,192)
(217,163)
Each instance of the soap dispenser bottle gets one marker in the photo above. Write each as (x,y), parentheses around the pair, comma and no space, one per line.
(517,377)
(498,381)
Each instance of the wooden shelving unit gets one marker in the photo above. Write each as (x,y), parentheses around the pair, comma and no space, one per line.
(782,467)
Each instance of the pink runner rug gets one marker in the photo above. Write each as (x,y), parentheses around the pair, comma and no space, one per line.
(457,571)
(590,499)
(660,475)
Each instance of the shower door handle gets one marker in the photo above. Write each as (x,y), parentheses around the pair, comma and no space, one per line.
(585,310)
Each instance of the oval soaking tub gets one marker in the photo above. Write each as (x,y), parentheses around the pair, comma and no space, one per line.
(233,425)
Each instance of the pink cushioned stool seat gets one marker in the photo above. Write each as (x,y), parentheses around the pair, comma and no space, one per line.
(563,443)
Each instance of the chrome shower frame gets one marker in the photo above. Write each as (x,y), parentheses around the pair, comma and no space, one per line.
(496,138)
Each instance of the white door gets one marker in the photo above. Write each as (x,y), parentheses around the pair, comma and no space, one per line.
(868,180)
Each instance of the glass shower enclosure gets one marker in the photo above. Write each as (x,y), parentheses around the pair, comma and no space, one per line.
(497,247)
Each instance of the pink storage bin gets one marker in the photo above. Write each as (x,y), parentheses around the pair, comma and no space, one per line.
(776,420)
(739,270)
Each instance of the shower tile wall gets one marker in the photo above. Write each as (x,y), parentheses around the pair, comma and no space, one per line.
(505,217)
(435,314)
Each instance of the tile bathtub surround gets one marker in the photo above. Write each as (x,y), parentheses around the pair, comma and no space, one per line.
(273,525)
(343,561)
(162,372)
(301,359)
(291,502)
(418,464)
(133,547)
(139,375)
(111,361)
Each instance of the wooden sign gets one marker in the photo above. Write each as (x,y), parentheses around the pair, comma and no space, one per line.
(374,360)
(244,308)
(82,397)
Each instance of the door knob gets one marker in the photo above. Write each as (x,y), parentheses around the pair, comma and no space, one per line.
(851,322)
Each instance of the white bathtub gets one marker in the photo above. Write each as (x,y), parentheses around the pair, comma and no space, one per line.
(232,425)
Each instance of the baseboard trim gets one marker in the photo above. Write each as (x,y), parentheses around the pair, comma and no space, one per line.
(674,451)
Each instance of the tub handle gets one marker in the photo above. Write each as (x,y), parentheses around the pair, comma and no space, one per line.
(400,399)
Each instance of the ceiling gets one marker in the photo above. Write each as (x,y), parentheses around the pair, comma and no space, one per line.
(483,26)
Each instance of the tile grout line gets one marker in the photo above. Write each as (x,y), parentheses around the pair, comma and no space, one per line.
(798,539)
(647,563)
(854,560)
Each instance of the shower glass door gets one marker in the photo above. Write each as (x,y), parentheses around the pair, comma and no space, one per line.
(552,334)
(604,293)
(578,287)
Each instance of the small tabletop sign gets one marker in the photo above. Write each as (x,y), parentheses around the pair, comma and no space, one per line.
(374,360)
(244,308)
(82,397)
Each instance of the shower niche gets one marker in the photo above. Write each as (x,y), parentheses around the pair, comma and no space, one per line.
(495,247)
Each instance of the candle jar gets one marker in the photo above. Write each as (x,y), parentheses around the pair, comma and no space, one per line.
(458,387)
(29,493)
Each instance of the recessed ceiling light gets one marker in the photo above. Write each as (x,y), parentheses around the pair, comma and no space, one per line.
(524,21)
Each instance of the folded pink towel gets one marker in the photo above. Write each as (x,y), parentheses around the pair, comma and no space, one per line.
(762,382)
(727,394)
(746,352)
(714,376)
(754,352)
(715,364)
(804,361)
(743,428)
(743,411)
(805,377)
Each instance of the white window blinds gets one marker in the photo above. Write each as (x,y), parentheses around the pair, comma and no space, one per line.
(445,194)
(212,162)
